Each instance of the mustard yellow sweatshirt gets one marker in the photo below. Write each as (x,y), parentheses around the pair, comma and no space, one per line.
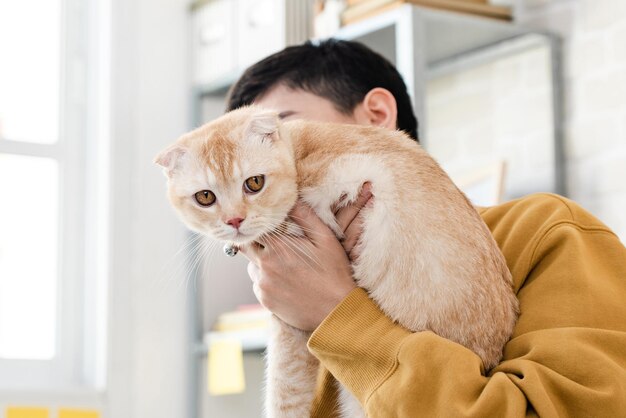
(567,355)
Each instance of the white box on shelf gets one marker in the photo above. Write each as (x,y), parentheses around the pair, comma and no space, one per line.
(213,43)
(231,35)
(260,29)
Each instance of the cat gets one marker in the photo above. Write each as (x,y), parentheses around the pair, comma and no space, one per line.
(425,255)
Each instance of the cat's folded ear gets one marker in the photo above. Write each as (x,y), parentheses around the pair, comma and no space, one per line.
(169,158)
(263,125)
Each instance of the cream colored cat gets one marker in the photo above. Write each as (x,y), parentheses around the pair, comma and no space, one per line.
(426,257)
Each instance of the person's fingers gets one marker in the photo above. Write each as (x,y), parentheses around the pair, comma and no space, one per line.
(252,251)
(254,272)
(352,234)
(257,292)
(347,214)
(310,223)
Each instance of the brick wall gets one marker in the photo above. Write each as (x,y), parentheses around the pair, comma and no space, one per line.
(513,92)
(497,111)
(594,34)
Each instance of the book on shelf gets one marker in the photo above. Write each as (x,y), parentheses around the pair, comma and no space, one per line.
(245,329)
(253,339)
(367,8)
(362,9)
(350,3)
(249,324)
(246,316)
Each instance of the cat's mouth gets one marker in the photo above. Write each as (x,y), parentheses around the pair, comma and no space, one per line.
(248,234)
(241,238)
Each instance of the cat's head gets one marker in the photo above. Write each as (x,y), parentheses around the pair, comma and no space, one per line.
(233,179)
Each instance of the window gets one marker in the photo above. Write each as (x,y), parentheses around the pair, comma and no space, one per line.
(48,267)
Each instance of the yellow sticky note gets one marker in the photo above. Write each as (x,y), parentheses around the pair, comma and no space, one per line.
(226,367)
(78,413)
(27,412)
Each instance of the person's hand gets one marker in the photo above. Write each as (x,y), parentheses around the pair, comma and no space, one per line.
(302,279)
(350,221)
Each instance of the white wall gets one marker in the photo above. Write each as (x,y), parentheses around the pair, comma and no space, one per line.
(501,110)
(148,359)
(594,33)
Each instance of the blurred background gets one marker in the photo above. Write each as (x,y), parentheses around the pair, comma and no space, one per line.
(109,308)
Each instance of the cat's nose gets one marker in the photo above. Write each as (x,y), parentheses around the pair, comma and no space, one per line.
(235,222)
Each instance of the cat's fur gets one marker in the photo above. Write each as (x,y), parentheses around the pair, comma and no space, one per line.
(426,257)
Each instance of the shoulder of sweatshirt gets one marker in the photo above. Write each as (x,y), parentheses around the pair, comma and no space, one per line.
(538,211)
(521,225)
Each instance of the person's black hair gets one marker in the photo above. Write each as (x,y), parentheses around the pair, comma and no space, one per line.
(340,71)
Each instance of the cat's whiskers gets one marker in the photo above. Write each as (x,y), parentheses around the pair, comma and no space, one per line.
(271,239)
(307,230)
(285,245)
(163,275)
(284,227)
(284,222)
(193,255)
(293,243)
(298,245)
(209,249)
(199,255)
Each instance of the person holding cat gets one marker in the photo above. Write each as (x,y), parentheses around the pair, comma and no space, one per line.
(567,354)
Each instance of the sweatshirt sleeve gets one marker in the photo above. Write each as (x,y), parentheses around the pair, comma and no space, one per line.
(567,356)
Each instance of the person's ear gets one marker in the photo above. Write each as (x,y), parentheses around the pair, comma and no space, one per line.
(378,108)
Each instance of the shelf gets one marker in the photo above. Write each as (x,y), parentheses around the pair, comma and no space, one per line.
(423,43)
(252,340)
(218,87)
(438,36)
(439,30)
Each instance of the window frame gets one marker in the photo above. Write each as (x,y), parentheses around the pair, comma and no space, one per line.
(81,155)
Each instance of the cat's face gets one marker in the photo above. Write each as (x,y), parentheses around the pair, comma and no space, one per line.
(233,179)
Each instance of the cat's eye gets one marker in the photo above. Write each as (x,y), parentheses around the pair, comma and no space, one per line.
(254,184)
(205,198)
